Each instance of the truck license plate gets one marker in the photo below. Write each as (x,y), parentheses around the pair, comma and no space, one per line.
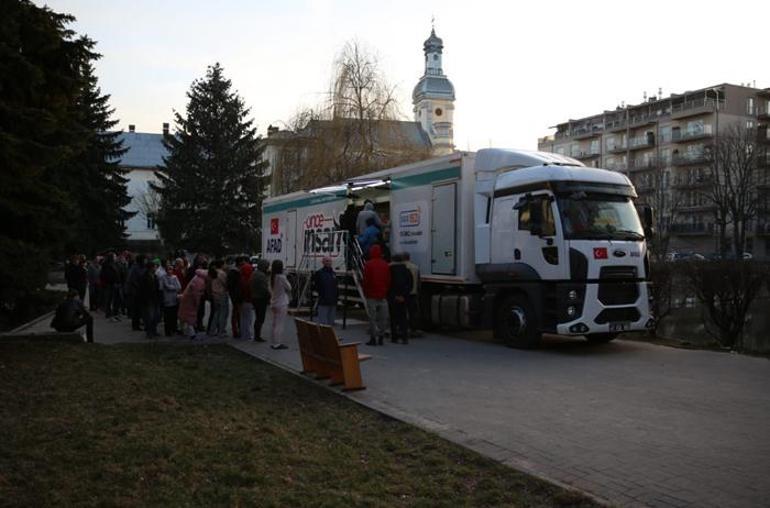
(620,326)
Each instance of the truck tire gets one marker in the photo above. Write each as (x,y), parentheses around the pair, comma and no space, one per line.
(516,323)
(601,338)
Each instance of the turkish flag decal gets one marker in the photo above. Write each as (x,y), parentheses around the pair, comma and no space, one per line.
(600,252)
(274,226)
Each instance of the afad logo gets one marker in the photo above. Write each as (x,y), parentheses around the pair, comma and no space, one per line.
(274,226)
(409,218)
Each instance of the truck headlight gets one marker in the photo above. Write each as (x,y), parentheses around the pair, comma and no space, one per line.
(571,311)
(572,295)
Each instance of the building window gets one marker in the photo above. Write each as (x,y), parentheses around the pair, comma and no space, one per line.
(151,221)
(750,105)
(749,124)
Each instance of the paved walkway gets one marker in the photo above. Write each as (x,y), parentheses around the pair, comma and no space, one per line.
(631,423)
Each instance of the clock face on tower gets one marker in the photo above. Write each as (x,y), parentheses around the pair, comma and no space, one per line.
(438,112)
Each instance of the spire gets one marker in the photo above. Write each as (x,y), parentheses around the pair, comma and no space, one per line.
(433,44)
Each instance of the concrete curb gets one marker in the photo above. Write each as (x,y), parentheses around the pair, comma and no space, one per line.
(31,323)
(490,450)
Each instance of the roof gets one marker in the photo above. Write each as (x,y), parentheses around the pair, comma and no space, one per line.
(434,87)
(387,133)
(536,174)
(145,150)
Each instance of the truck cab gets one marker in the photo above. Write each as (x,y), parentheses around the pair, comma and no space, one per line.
(566,252)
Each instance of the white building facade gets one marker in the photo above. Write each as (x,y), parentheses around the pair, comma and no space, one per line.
(145,153)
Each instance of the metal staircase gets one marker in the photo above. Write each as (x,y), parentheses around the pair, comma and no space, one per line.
(349,267)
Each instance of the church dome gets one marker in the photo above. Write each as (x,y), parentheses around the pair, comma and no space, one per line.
(433,44)
(433,87)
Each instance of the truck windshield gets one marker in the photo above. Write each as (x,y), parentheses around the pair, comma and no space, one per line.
(599,217)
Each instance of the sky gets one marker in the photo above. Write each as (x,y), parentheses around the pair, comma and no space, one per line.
(518,67)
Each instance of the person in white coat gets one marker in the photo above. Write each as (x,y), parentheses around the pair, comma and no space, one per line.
(280,288)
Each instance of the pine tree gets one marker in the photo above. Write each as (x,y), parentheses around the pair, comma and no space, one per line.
(40,78)
(98,183)
(211,185)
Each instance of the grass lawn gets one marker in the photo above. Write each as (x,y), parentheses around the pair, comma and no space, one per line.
(207,425)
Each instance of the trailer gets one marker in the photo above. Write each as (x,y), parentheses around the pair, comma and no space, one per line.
(521,242)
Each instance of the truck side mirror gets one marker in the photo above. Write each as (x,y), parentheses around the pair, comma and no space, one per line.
(648,220)
(536,217)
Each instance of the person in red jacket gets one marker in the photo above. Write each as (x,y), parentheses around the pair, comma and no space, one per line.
(376,288)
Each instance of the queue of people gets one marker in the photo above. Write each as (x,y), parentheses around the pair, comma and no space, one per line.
(147,291)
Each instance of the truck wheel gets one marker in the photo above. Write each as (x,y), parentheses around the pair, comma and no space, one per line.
(601,338)
(516,323)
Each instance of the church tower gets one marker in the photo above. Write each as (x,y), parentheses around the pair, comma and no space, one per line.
(434,97)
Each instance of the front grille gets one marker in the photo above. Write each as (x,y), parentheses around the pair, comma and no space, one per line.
(618,272)
(620,314)
(617,285)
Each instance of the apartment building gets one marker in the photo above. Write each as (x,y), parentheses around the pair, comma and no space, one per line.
(662,145)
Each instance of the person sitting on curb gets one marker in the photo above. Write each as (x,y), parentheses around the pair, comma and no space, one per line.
(71,314)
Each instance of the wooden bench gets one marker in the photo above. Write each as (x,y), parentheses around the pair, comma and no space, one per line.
(325,356)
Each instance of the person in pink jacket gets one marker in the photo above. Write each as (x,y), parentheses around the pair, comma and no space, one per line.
(191,297)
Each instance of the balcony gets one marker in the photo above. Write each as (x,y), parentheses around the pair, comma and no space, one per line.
(693,108)
(699,229)
(586,132)
(619,148)
(586,155)
(692,183)
(616,125)
(684,136)
(641,142)
(643,164)
(764,114)
(689,159)
(764,93)
(640,120)
(695,207)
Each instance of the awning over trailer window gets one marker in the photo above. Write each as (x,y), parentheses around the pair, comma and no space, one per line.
(353,185)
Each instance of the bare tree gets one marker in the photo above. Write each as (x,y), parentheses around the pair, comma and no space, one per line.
(667,202)
(356,129)
(733,162)
(148,203)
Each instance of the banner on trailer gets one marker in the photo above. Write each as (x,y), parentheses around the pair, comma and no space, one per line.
(410,227)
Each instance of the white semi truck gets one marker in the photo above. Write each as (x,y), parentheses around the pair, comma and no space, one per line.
(521,242)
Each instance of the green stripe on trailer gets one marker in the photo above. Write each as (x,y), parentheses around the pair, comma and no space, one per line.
(303,202)
(425,178)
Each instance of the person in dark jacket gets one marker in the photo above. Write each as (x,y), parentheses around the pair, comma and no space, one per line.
(133,281)
(150,296)
(71,314)
(234,290)
(260,297)
(110,279)
(325,282)
(76,276)
(376,287)
(400,287)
